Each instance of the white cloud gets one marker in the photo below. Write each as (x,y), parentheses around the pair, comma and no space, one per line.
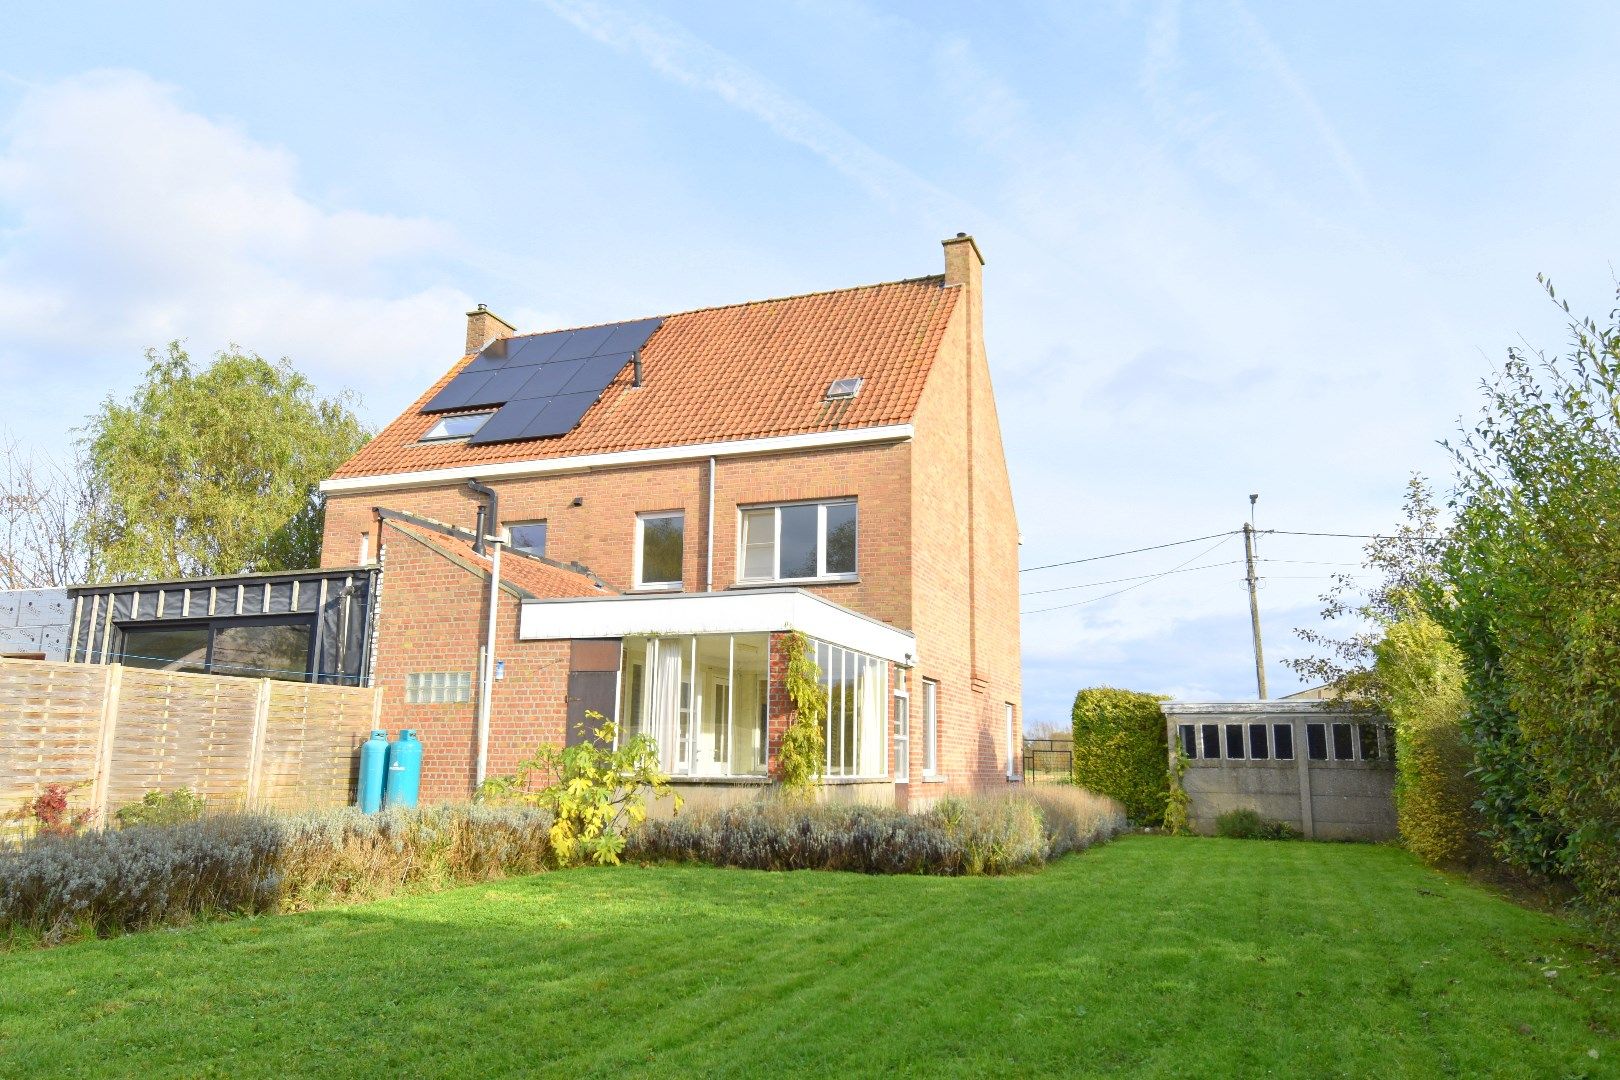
(132,220)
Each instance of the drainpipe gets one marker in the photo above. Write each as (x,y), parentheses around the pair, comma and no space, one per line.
(486,677)
(708,514)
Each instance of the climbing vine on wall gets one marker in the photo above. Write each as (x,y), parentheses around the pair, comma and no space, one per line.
(804,743)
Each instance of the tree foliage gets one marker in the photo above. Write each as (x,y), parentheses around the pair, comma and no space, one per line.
(1536,574)
(213,470)
(1406,565)
(1419,672)
(1120,750)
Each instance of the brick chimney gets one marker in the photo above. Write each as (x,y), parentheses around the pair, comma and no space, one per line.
(963,267)
(484,326)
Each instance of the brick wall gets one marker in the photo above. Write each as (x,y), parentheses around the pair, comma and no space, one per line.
(965,559)
(600,533)
(431,617)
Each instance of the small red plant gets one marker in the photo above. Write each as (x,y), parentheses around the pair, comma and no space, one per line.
(49,811)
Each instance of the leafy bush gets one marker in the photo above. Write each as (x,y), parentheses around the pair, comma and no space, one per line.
(1074,818)
(1247,824)
(595,795)
(57,888)
(1420,672)
(977,835)
(48,813)
(804,744)
(109,881)
(156,808)
(344,856)
(1120,750)
(1536,561)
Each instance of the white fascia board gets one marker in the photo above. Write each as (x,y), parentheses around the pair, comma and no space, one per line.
(751,612)
(507,470)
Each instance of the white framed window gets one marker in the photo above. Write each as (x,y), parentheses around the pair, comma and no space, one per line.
(528,537)
(798,541)
(1282,741)
(930,727)
(438,687)
(703,699)
(660,549)
(902,730)
(857,689)
(463,426)
(1189,740)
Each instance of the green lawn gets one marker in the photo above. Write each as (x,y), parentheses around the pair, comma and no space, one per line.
(1151,956)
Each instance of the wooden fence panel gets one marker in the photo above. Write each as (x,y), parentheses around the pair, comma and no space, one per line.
(120,732)
(311,741)
(177,729)
(50,728)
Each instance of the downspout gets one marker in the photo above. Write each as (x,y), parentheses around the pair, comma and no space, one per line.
(486,677)
(708,514)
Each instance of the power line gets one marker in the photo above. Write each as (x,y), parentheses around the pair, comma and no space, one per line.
(1224,537)
(1137,577)
(1349,536)
(1132,551)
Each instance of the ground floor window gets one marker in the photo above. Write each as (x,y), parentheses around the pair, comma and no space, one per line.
(857,688)
(704,699)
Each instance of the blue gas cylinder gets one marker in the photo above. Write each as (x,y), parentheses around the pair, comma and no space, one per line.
(404,770)
(373,766)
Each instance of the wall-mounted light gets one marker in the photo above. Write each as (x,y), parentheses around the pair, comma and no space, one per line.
(579,500)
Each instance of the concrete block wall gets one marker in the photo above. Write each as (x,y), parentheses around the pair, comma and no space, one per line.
(1326,800)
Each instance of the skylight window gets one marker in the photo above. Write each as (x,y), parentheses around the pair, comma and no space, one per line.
(456,427)
(844,389)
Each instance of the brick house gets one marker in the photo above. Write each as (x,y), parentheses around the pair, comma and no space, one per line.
(671,496)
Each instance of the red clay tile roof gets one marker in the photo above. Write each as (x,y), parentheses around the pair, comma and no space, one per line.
(741,372)
(540,579)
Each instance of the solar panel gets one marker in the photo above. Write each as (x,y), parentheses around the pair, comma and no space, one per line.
(561,415)
(508,423)
(544,383)
(459,391)
(548,380)
(587,341)
(629,336)
(596,373)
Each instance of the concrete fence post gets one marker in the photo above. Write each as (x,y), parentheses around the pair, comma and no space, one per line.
(101,786)
(1302,756)
(261,723)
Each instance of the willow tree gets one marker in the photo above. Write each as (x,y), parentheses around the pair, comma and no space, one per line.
(214,470)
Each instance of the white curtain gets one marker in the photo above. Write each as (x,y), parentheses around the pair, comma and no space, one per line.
(663,705)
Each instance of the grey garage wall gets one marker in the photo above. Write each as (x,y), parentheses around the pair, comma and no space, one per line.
(35,621)
(1328,800)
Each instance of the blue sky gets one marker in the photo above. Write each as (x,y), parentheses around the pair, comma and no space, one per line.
(1232,246)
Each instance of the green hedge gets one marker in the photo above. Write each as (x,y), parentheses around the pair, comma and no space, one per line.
(1120,750)
(1420,671)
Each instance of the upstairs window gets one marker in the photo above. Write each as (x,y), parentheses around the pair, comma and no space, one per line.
(660,545)
(464,426)
(528,537)
(799,541)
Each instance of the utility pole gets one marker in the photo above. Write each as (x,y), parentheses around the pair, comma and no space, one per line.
(1254,600)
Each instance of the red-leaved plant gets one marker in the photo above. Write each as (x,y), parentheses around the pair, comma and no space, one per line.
(49,811)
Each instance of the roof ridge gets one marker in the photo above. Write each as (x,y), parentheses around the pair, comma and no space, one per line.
(737,304)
